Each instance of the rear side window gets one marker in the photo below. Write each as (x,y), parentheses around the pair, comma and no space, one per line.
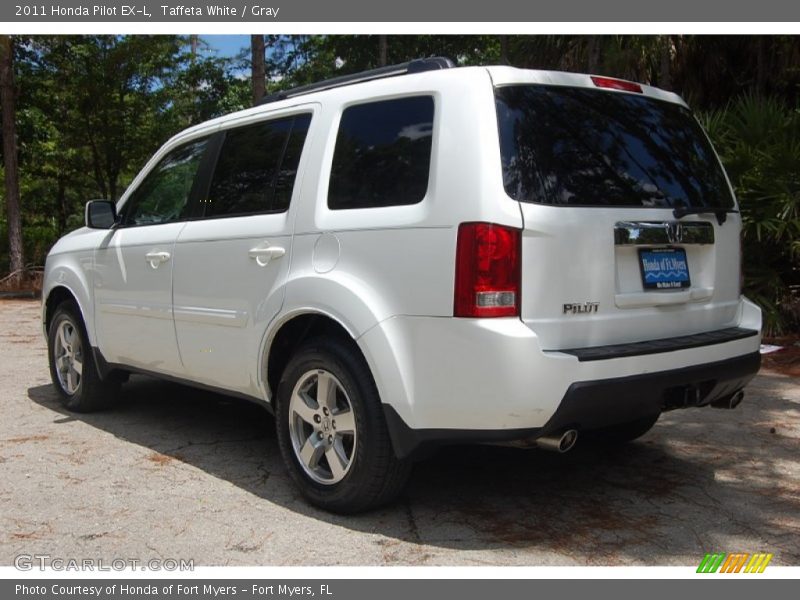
(584,147)
(383,154)
(256,168)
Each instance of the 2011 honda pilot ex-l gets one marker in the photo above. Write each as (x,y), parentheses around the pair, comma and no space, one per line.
(419,255)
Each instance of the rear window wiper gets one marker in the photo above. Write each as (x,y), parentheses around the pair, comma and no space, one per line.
(720,213)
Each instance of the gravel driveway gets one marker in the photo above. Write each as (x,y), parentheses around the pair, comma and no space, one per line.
(173,472)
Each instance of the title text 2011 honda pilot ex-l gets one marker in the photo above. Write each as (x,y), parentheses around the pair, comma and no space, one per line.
(419,255)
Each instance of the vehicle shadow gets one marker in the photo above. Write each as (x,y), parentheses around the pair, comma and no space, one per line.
(700,479)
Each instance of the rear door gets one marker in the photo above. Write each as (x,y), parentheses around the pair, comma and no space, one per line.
(605,179)
(232,259)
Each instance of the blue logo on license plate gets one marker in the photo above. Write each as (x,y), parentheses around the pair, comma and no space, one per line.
(664,268)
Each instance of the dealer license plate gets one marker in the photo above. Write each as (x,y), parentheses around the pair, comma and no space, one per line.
(664,268)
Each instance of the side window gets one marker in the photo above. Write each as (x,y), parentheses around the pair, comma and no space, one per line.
(256,168)
(284,180)
(163,196)
(383,154)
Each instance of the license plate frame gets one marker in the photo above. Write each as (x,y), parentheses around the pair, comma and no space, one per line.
(664,269)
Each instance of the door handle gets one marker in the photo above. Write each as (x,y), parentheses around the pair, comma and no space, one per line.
(263,255)
(156,258)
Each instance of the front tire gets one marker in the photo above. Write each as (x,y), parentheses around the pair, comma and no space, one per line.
(332,432)
(72,366)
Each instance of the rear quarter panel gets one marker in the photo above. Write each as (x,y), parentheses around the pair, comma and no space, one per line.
(400,260)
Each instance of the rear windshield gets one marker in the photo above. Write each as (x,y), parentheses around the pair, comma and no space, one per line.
(584,147)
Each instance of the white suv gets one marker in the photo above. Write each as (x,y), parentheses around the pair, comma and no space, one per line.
(419,255)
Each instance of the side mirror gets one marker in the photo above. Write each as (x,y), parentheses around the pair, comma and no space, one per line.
(100,214)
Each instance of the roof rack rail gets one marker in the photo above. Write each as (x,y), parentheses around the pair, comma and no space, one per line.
(414,66)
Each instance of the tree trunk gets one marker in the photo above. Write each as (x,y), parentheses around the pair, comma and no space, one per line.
(761,64)
(665,71)
(259,68)
(97,166)
(593,47)
(504,50)
(112,187)
(61,206)
(194,41)
(383,50)
(16,250)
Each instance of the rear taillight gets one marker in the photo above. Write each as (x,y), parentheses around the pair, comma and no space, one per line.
(487,271)
(617,84)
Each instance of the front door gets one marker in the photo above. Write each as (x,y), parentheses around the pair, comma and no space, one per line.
(133,266)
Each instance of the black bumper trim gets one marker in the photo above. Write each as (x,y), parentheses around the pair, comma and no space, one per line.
(682,342)
(596,404)
(589,405)
(417,442)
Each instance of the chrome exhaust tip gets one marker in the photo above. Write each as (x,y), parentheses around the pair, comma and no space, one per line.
(729,402)
(562,442)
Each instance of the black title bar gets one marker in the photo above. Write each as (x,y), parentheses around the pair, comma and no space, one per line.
(415,11)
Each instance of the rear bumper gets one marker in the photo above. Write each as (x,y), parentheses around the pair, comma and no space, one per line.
(490,380)
(589,405)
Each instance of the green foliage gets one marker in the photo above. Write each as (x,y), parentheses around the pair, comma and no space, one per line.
(92,109)
(758,140)
(299,60)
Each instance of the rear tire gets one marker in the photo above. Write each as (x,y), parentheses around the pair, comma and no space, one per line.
(626,432)
(72,365)
(331,430)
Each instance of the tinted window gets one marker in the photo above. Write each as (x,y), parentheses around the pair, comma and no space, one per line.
(256,168)
(584,147)
(163,196)
(383,154)
(284,180)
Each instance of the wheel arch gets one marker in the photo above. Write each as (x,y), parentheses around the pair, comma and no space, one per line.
(385,355)
(56,296)
(290,332)
(68,276)
(334,303)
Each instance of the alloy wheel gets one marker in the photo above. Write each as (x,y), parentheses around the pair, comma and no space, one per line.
(322,427)
(68,356)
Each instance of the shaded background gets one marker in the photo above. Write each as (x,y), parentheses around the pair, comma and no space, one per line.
(82,114)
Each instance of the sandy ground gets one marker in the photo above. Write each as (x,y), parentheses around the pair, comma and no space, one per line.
(177,473)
